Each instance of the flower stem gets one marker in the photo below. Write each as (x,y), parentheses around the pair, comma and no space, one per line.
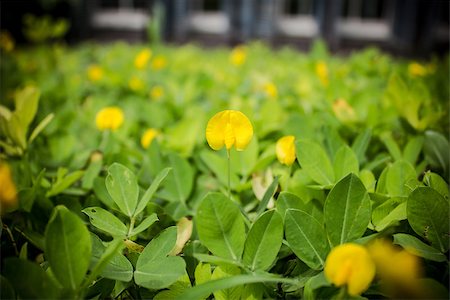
(229,174)
(132,220)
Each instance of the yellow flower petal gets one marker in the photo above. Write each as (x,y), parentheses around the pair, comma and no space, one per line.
(159,62)
(141,60)
(148,137)
(95,72)
(270,90)
(8,191)
(417,70)
(238,55)
(322,72)
(285,150)
(109,118)
(229,128)
(351,265)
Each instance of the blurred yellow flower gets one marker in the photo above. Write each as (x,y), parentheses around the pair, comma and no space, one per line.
(95,73)
(343,111)
(270,89)
(142,58)
(417,70)
(6,41)
(156,92)
(159,62)
(238,55)
(136,84)
(322,72)
(229,127)
(393,264)
(285,150)
(8,191)
(148,137)
(350,264)
(109,118)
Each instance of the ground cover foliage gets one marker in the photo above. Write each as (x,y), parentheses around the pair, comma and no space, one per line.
(131,202)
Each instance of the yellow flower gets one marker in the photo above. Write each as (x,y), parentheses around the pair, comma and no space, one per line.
(141,60)
(148,137)
(350,264)
(238,55)
(8,191)
(417,70)
(322,72)
(95,73)
(393,264)
(270,90)
(343,111)
(285,149)
(136,84)
(6,41)
(109,118)
(159,62)
(229,127)
(156,92)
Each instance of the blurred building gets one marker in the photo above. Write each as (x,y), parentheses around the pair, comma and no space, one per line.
(411,27)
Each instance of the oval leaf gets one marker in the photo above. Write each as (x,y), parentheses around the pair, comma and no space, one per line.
(347,210)
(220,226)
(315,161)
(106,221)
(123,188)
(345,162)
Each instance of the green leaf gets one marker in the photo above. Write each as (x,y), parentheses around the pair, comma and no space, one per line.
(26,101)
(202,273)
(176,289)
(243,162)
(361,143)
(151,190)
(154,270)
(313,158)
(345,162)
(436,149)
(91,173)
(267,196)
(229,282)
(67,247)
(7,289)
(288,200)
(123,188)
(427,212)
(412,149)
(106,221)
(230,293)
(102,193)
(41,126)
(307,238)
(220,226)
(391,145)
(29,280)
(178,184)
(219,166)
(347,210)
(117,267)
(390,212)
(263,241)
(217,260)
(401,178)
(436,182)
(64,183)
(146,223)
(418,247)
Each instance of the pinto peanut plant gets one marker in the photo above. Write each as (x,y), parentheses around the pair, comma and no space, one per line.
(333,182)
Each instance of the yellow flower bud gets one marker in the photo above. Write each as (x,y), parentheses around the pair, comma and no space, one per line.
(141,60)
(156,92)
(350,264)
(148,137)
(238,55)
(95,73)
(270,90)
(322,72)
(285,150)
(229,127)
(109,118)
(159,62)
(8,191)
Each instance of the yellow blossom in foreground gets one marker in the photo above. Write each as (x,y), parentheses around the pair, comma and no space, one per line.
(156,92)
(136,84)
(8,191)
(417,70)
(6,41)
(238,55)
(148,137)
(229,127)
(350,264)
(285,150)
(322,72)
(95,72)
(159,62)
(109,118)
(343,111)
(141,60)
(270,90)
